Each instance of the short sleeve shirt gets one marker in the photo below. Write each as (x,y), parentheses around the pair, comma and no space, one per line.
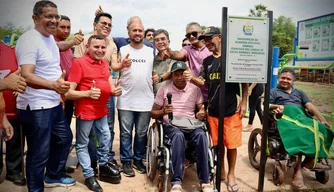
(83,71)
(296,97)
(184,101)
(161,67)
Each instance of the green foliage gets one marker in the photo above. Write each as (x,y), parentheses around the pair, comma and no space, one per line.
(9,29)
(284,32)
(259,11)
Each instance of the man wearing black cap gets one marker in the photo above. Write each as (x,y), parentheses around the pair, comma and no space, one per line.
(185,97)
(210,74)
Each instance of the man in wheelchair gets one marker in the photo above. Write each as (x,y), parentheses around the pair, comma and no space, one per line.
(300,133)
(183,126)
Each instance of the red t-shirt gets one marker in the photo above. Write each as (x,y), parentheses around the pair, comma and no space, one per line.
(83,71)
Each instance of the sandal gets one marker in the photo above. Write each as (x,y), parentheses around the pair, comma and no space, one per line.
(176,188)
(230,187)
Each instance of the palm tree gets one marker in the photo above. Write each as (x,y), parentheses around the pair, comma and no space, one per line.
(260,11)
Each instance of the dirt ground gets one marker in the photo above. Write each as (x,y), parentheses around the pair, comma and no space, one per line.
(246,176)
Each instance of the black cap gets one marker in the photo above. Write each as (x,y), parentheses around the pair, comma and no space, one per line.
(209,32)
(178,65)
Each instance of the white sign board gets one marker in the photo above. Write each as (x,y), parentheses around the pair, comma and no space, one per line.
(316,38)
(247,49)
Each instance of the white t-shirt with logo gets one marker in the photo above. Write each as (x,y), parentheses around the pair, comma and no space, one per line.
(136,81)
(43,52)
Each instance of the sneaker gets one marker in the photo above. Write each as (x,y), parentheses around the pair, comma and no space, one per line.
(93,185)
(17,179)
(139,165)
(63,182)
(248,128)
(115,164)
(127,169)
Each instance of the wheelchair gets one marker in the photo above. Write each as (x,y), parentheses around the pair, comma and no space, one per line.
(158,156)
(276,151)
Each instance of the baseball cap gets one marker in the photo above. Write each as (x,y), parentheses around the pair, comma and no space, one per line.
(178,65)
(209,31)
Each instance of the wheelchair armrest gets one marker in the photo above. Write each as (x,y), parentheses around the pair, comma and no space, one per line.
(275,116)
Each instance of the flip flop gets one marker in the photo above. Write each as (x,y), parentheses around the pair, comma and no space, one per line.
(229,186)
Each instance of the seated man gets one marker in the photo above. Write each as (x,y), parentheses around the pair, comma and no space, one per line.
(185,97)
(301,135)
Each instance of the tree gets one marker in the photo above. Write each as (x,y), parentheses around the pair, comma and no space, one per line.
(9,29)
(259,11)
(284,32)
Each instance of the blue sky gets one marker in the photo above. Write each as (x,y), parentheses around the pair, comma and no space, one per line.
(172,15)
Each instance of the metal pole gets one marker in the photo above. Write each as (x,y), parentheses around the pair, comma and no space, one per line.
(266,108)
(295,43)
(222,98)
(275,67)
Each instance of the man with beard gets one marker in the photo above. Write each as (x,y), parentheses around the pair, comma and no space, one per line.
(134,106)
(39,111)
(102,26)
(210,74)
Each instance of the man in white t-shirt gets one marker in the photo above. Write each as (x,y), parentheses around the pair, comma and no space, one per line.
(134,106)
(48,134)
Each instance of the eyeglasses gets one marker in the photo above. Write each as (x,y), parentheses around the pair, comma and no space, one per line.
(160,39)
(194,34)
(183,45)
(209,39)
(50,17)
(105,24)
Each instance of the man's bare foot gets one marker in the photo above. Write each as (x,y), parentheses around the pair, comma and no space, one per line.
(297,180)
(231,184)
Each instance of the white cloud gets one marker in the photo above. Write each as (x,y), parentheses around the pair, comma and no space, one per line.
(172,15)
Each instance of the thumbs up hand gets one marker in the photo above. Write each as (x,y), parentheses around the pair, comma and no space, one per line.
(99,10)
(61,86)
(15,82)
(127,61)
(201,114)
(94,92)
(155,77)
(187,75)
(118,89)
(78,38)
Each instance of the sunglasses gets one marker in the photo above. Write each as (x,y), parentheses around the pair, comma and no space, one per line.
(183,45)
(106,24)
(194,34)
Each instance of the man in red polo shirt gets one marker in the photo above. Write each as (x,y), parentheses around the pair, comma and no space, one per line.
(91,87)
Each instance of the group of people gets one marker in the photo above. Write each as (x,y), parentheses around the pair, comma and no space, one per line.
(52,83)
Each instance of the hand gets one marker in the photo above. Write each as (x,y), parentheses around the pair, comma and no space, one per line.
(61,86)
(78,38)
(155,78)
(15,82)
(99,10)
(94,92)
(242,108)
(201,114)
(118,89)
(279,109)
(168,109)
(187,75)
(8,128)
(166,54)
(127,61)
(325,123)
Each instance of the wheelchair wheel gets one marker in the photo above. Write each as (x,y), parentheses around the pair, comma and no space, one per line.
(254,148)
(278,174)
(151,152)
(322,176)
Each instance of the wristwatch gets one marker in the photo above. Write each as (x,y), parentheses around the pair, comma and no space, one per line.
(161,79)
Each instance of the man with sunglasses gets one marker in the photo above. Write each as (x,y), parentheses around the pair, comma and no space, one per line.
(210,74)
(194,54)
(39,111)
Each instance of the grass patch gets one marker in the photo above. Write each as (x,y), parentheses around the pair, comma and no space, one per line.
(319,94)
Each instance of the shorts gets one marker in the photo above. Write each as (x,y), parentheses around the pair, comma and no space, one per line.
(232,131)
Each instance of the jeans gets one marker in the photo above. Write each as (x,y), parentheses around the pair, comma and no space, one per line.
(111,120)
(49,140)
(197,141)
(128,119)
(84,129)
